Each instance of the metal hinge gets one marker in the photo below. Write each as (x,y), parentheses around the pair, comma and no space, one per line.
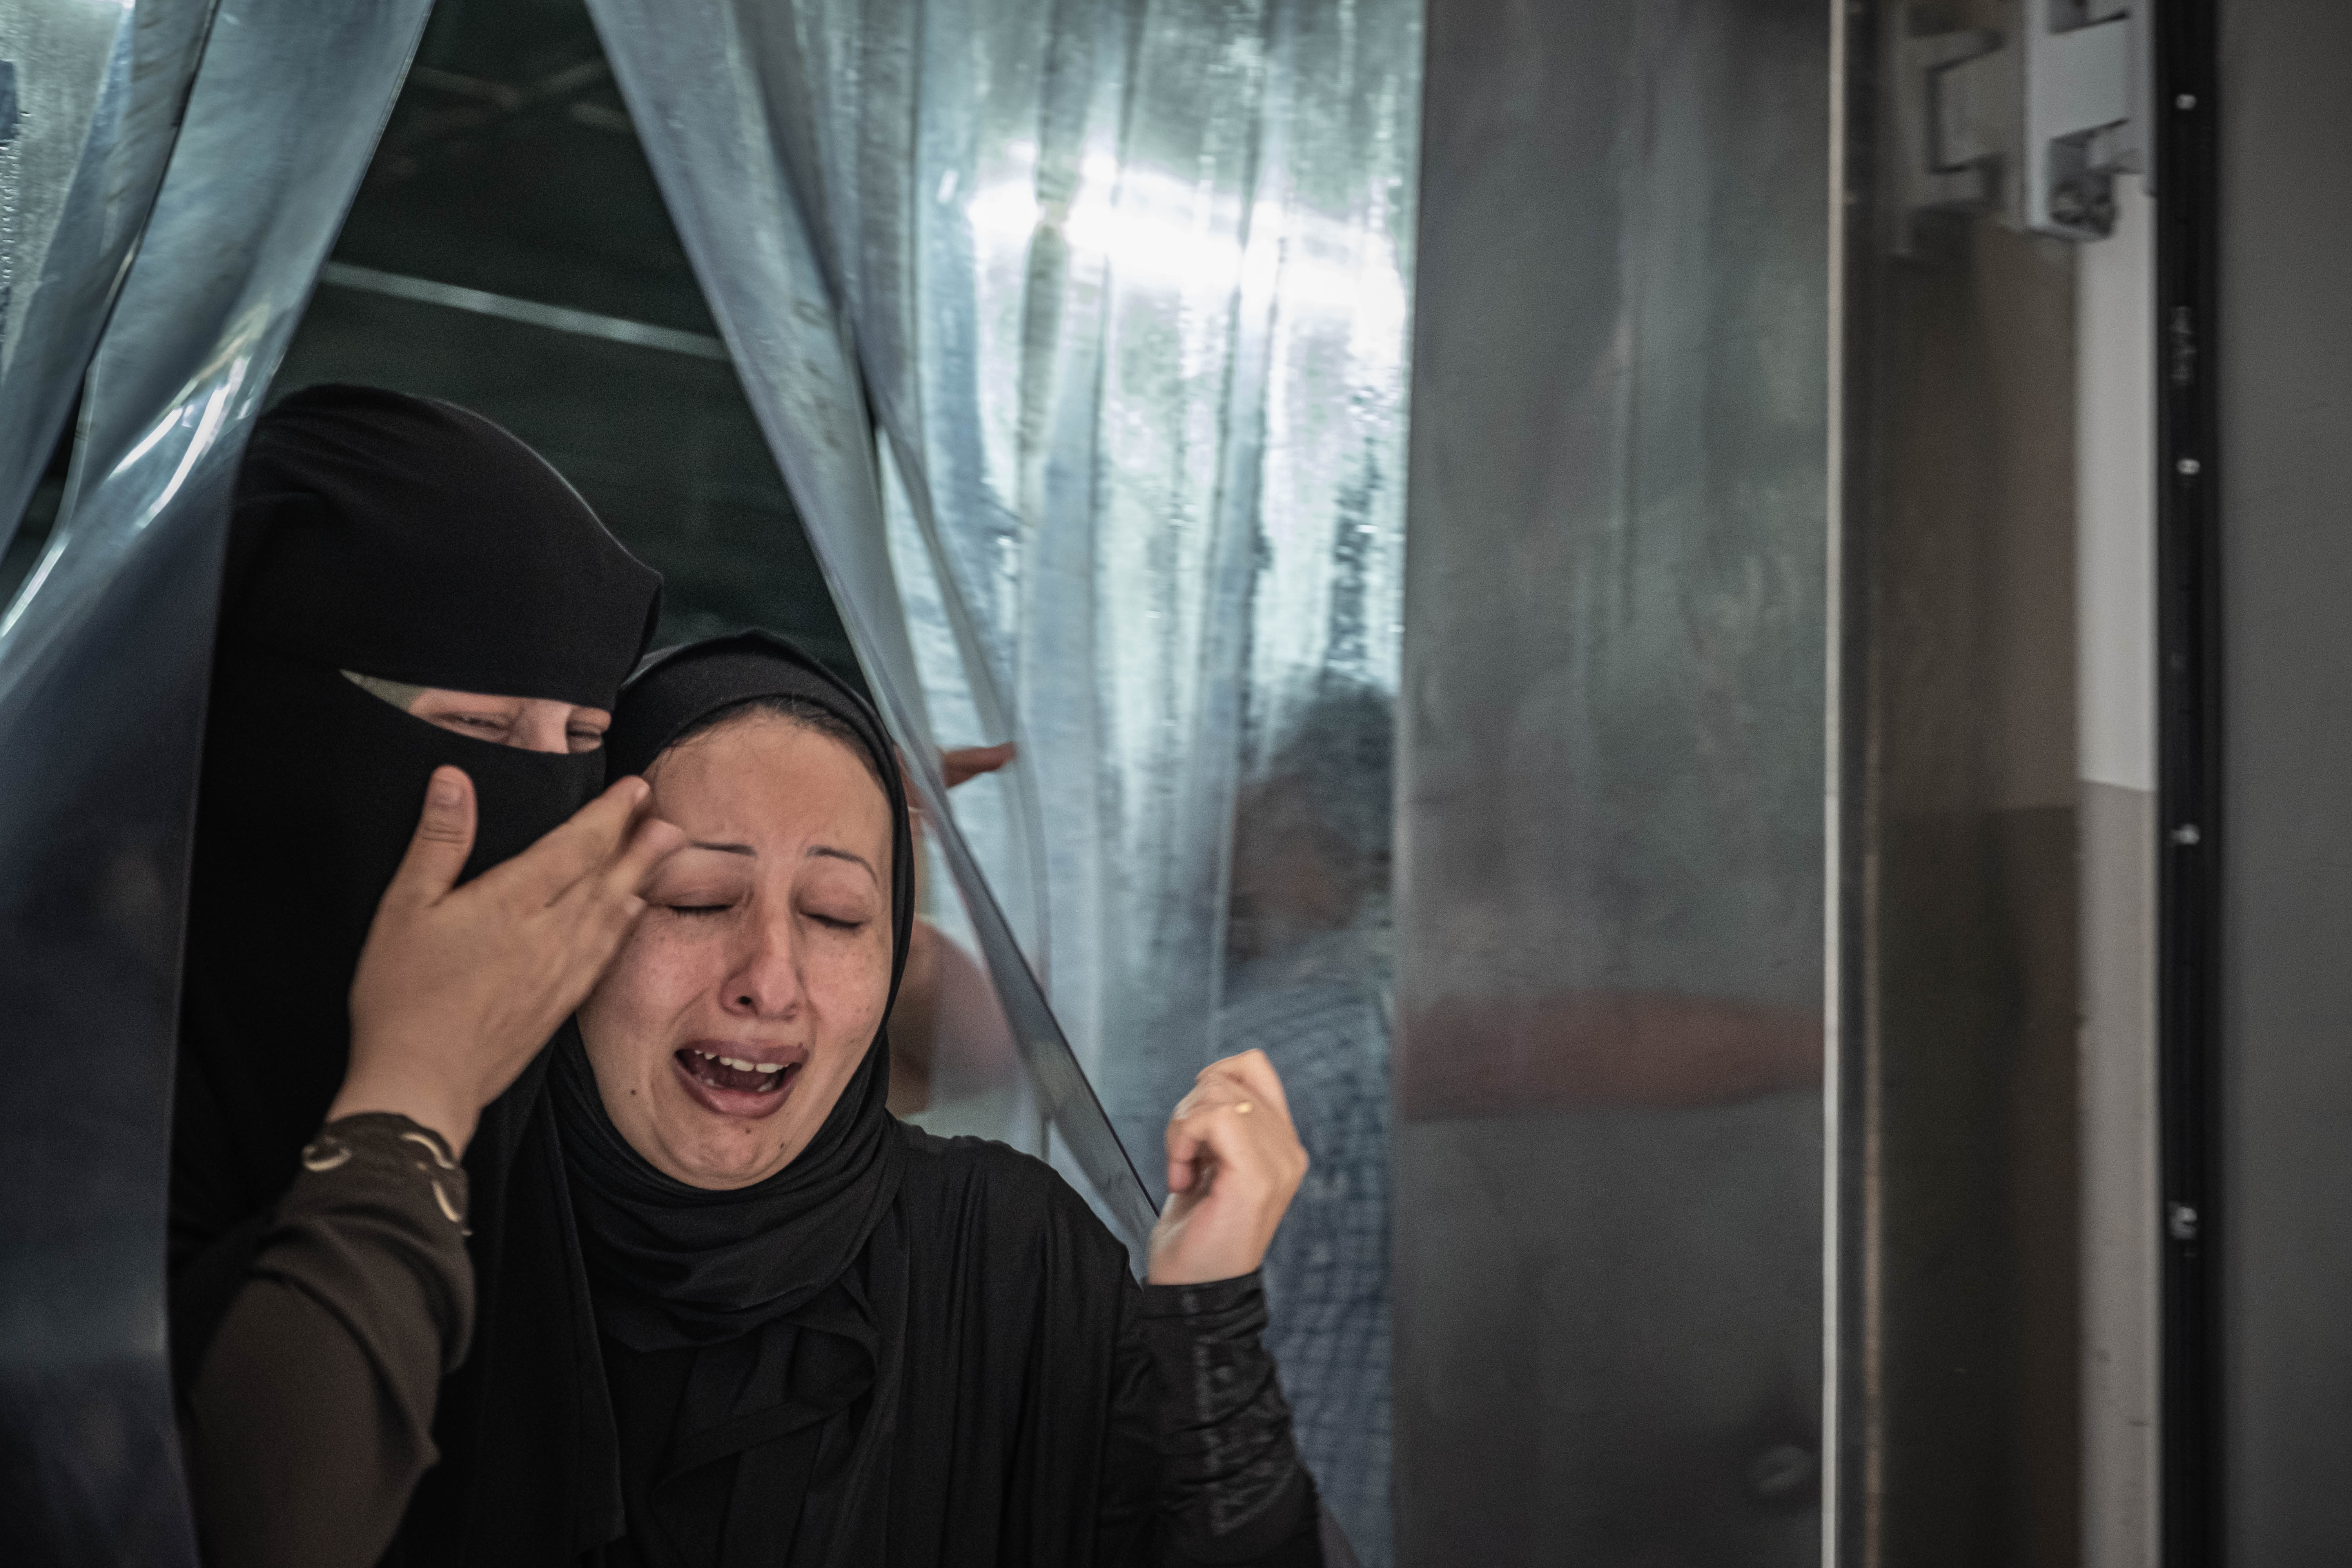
(2034,126)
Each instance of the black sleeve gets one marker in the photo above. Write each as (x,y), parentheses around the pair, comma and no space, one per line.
(309,1418)
(1231,1488)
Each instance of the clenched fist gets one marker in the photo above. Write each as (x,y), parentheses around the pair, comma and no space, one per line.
(1235,1162)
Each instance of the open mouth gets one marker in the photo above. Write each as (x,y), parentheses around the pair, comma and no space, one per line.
(732,1085)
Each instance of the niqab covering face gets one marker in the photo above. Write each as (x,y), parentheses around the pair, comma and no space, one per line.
(403,538)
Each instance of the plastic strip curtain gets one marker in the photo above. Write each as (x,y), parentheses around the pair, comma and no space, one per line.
(89,103)
(1126,287)
(103,658)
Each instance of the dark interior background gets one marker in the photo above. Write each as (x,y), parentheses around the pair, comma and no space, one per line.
(509,169)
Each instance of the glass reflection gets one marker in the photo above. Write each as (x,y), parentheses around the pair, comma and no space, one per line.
(1609,1118)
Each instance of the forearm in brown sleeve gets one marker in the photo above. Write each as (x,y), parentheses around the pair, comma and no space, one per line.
(310,1420)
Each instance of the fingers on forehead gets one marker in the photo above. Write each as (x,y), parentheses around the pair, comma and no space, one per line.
(565,856)
(562,863)
(652,842)
(604,822)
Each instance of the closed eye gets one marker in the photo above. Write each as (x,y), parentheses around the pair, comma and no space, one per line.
(832,924)
(699,909)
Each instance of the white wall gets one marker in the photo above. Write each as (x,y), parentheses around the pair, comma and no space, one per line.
(2115,667)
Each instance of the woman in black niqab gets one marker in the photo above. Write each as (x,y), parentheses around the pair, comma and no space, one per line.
(898,1349)
(410,541)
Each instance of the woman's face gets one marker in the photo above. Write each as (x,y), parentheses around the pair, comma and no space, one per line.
(746,996)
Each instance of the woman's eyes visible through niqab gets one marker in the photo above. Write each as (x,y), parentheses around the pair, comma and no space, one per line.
(528,724)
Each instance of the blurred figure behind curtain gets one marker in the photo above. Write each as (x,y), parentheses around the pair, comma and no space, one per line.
(1308,982)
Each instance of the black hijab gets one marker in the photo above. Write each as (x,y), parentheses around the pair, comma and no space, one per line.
(677,1265)
(757,1283)
(724,1324)
(414,542)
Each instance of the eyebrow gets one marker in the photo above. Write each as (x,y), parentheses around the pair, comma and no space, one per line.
(827,851)
(830,853)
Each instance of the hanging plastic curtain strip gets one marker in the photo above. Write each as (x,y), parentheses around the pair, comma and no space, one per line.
(255,194)
(691,75)
(93,105)
(103,663)
(989,811)
(982,686)
(1129,285)
(854,119)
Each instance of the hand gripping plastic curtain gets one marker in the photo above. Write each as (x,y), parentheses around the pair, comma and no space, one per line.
(230,190)
(1125,289)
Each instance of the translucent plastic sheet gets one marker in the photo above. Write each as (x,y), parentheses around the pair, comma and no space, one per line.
(1087,303)
(89,103)
(1124,289)
(1131,303)
(103,658)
